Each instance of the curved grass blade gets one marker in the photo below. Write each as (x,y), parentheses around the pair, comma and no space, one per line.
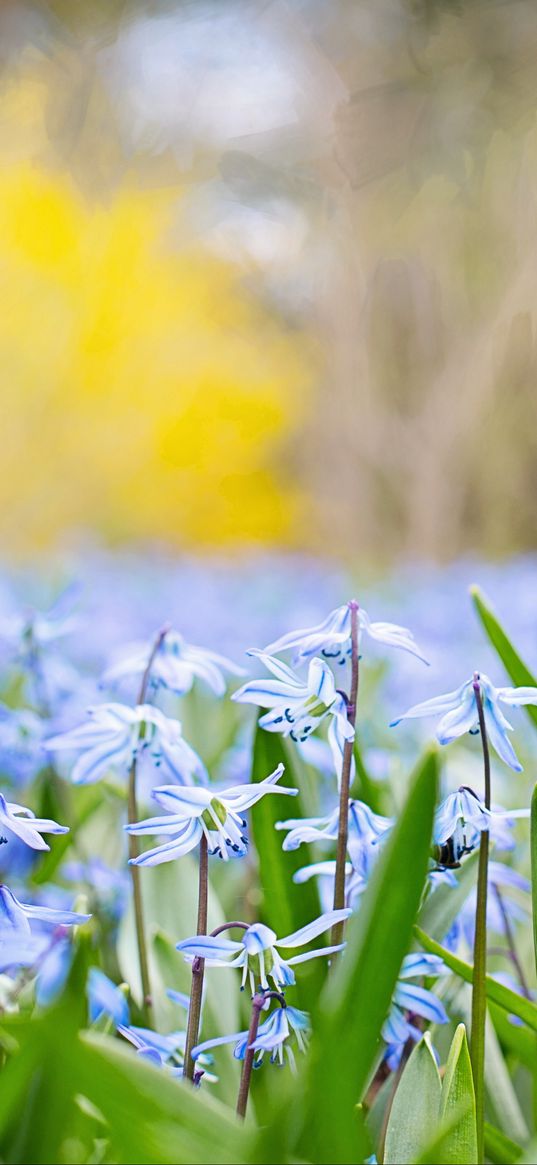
(357,997)
(512,661)
(496,992)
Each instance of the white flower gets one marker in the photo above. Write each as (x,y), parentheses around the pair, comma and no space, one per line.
(257,951)
(296,706)
(459,714)
(196,812)
(332,638)
(115,735)
(175,665)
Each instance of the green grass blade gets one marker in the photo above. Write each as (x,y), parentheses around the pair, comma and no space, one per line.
(501,1150)
(496,992)
(357,997)
(533,844)
(513,663)
(415,1110)
(458,1100)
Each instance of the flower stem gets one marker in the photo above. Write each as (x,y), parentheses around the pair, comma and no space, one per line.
(343,825)
(132,817)
(513,954)
(258,1002)
(198,965)
(479,997)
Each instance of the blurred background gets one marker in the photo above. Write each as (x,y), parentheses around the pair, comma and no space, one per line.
(269,276)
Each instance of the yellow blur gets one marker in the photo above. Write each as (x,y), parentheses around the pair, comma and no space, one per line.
(145,393)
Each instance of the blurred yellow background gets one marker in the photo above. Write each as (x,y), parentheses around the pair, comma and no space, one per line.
(268,275)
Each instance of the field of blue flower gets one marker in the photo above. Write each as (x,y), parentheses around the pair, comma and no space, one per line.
(266,887)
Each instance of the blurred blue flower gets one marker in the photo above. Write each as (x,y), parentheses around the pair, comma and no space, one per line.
(332,637)
(411,1001)
(325,872)
(500,878)
(104,998)
(459,714)
(111,887)
(18,915)
(164,1051)
(175,666)
(21,744)
(196,812)
(257,951)
(115,735)
(16,821)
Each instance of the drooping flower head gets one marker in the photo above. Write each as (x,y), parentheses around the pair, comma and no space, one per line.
(257,954)
(332,638)
(17,821)
(459,821)
(175,665)
(273,1035)
(196,812)
(459,714)
(297,706)
(115,735)
(365,829)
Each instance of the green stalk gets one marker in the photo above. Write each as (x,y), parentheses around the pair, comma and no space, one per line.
(132,818)
(198,965)
(479,997)
(343,823)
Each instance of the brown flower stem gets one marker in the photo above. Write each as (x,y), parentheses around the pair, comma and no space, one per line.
(198,965)
(343,824)
(132,818)
(479,998)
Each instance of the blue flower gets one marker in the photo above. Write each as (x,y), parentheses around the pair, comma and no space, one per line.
(196,812)
(296,706)
(21,748)
(17,821)
(165,1051)
(257,951)
(500,878)
(459,714)
(104,998)
(332,637)
(18,915)
(115,735)
(364,832)
(417,1001)
(461,818)
(175,666)
(355,882)
(272,1036)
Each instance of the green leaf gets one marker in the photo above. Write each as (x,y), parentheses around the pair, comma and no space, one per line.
(514,665)
(458,1100)
(415,1110)
(501,1150)
(151,1116)
(503,1104)
(357,997)
(533,845)
(284,906)
(496,992)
